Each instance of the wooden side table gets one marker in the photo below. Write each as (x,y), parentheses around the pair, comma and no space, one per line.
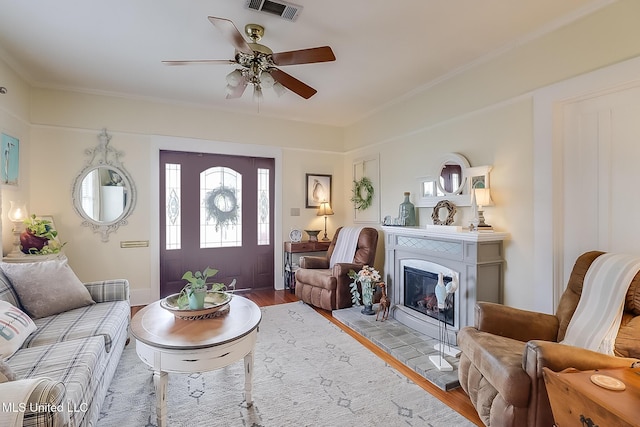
(292,253)
(577,401)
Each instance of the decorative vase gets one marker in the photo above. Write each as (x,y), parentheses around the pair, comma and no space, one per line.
(407,211)
(28,241)
(196,299)
(367,298)
(313,235)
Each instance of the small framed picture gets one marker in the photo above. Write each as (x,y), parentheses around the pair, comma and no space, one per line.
(318,190)
(9,160)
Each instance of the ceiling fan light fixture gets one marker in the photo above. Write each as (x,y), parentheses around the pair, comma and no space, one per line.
(234,78)
(257,64)
(279,89)
(229,90)
(266,80)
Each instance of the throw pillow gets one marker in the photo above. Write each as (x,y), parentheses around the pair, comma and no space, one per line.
(6,374)
(15,327)
(47,288)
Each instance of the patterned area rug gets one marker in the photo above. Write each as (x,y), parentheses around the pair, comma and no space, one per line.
(307,373)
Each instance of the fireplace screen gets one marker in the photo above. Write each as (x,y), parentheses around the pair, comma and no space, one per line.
(419,295)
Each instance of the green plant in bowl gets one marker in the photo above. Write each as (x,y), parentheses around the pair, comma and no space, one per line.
(194,292)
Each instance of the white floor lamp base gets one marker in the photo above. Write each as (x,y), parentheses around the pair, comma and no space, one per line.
(440,363)
(448,349)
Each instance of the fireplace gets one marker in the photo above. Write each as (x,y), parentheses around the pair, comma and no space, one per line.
(415,301)
(419,291)
(414,258)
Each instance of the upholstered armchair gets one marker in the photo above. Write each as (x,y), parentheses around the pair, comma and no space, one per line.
(328,288)
(503,354)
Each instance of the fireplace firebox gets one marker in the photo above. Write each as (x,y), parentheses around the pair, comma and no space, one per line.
(420,295)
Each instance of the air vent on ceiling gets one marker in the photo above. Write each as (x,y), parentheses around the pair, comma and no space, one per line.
(282,9)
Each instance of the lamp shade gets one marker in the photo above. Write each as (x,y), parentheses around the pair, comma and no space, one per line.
(17,212)
(324,209)
(234,78)
(266,80)
(483,196)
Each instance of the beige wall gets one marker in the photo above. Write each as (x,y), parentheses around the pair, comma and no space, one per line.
(484,113)
(14,121)
(64,124)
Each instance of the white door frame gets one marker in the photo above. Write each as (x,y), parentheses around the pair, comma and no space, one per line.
(547,170)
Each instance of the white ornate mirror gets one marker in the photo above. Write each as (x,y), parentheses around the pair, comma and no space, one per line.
(104,194)
(451,181)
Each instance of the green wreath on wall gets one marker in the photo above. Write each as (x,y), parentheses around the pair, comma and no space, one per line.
(222,206)
(362,193)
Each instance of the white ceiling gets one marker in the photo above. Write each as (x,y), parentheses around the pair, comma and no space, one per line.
(384,49)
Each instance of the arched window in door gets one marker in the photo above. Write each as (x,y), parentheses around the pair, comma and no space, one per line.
(221,208)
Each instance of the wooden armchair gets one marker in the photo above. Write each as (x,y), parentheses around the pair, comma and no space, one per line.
(503,354)
(328,288)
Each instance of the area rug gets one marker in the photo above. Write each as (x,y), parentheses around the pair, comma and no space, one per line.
(307,373)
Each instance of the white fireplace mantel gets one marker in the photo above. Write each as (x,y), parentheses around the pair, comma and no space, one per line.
(447,232)
(478,258)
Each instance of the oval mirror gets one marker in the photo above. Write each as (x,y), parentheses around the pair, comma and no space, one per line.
(103,193)
(451,176)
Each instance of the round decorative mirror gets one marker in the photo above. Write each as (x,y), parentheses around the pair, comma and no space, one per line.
(451,177)
(103,193)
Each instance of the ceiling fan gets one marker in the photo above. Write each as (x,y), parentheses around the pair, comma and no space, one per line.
(258,64)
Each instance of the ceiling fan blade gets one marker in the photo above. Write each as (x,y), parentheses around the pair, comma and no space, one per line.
(201,61)
(231,33)
(292,83)
(304,56)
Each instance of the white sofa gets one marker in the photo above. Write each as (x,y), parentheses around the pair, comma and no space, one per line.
(76,351)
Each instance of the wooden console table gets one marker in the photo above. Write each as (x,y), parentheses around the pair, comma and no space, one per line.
(292,253)
(577,401)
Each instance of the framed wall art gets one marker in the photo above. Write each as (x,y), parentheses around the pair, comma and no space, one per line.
(9,159)
(317,190)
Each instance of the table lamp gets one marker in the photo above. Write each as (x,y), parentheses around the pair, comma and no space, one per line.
(483,198)
(325,210)
(17,214)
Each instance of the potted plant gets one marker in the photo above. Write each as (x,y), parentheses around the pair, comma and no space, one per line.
(39,237)
(195,290)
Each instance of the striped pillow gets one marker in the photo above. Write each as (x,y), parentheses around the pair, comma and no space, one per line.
(15,327)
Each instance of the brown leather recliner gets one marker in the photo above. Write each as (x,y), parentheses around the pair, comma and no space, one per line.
(503,355)
(320,286)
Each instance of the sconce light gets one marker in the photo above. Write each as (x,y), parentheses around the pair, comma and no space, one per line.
(325,209)
(483,198)
(17,214)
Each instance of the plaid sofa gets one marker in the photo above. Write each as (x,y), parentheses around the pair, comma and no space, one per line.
(77,351)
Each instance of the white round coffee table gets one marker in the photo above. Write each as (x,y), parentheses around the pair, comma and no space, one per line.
(170,344)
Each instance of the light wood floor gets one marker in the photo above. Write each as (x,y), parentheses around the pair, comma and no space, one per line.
(457,399)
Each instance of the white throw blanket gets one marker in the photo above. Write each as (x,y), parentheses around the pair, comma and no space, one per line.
(15,396)
(346,245)
(597,318)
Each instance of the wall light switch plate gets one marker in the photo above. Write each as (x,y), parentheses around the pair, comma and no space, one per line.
(295,211)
